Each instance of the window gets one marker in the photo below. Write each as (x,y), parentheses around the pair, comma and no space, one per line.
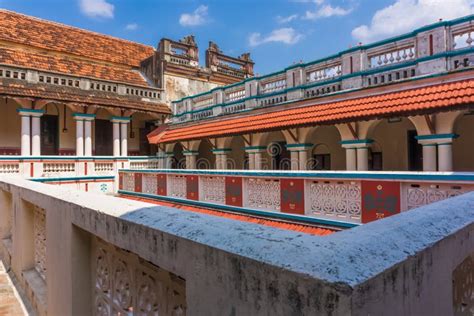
(322,162)
(376,161)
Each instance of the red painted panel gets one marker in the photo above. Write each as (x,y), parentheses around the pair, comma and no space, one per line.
(292,196)
(379,199)
(138,182)
(233,191)
(192,187)
(161,184)
(120,181)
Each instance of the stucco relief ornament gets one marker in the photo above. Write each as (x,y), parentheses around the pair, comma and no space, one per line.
(122,293)
(147,298)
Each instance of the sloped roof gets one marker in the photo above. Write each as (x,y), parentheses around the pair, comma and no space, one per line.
(26,30)
(436,97)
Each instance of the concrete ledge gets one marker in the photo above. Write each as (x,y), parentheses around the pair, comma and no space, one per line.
(401,265)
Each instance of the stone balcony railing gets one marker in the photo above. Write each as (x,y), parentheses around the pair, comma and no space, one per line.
(343,199)
(77,253)
(436,49)
(32,76)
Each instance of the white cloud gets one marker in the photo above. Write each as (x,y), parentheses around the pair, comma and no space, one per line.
(286,19)
(131,27)
(406,15)
(326,11)
(286,35)
(198,17)
(97,8)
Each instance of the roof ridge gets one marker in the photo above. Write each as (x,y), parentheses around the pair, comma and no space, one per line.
(76,28)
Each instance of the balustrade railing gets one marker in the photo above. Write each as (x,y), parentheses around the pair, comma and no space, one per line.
(418,54)
(351,197)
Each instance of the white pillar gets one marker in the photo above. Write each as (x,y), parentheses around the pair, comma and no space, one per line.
(79,137)
(258,160)
(190,160)
(36,134)
(429,157)
(251,156)
(116,138)
(25,134)
(303,155)
(445,157)
(351,159)
(88,137)
(362,158)
(294,157)
(223,161)
(124,138)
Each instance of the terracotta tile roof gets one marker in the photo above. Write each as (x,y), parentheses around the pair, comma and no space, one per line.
(307,229)
(30,31)
(436,97)
(15,88)
(69,66)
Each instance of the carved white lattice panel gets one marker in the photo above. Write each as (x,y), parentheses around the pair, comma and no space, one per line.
(423,194)
(124,284)
(335,199)
(463,288)
(177,186)
(39,231)
(129,182)
(213,189)
(150,183)
(264,194)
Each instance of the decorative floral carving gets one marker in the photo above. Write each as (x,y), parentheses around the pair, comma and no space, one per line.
(213,189)
(264,194)
(334,199)
(39,229)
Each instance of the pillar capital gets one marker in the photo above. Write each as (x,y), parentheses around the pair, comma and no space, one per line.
(221,151)
(298,147)
(190,152)
(436,139)
(254,149)
(30,112)
(83,117)
(120,119)
(356,143)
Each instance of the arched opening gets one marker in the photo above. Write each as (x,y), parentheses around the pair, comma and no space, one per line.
(237,158)
(327,152)
(205,158)
(277,156)
(464,144)
(178,161)
(397,148)
(10,128)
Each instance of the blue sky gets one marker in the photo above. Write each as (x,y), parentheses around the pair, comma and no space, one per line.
(277,33)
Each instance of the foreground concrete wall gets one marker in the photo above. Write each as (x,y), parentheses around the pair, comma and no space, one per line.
(399,265)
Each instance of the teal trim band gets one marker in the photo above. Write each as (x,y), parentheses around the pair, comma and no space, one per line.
(22,110)
(436,136)
(121,118)
(169,152)
(428,145)
(444,144)
(221,150)
(254,147)
(356,141)
(83,115)
(306,145)
(268,214)
(72,179)
(190,152)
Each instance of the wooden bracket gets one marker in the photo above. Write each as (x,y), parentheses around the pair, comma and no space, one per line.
(213,143)
(352,130)
(430,124)
(247,141)
(294,136)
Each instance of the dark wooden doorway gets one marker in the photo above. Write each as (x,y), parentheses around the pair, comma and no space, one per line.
(415,152)
(49,135)
(103,138)
(146,149)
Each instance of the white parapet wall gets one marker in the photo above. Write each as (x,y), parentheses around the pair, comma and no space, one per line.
(78,253)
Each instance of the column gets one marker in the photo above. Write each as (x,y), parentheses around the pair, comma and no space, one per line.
(363,158)
(79,136)
(258,160)
(445,156)
(116,138)
(303,156)
(124,138)
(251,156)
(429,157)
(294,157)
(36,134)
(221,157)
(25,134)
(88,137)
(168,159)
(190,159)
(351,159)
